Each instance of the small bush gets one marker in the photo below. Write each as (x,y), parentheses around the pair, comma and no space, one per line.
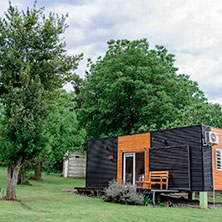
(163,205)
(171,204)
(147,200)
(121,193)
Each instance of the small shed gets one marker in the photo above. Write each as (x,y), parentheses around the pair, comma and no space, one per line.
(75,166)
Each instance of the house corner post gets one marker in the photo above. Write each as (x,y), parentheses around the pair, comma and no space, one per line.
(203,200)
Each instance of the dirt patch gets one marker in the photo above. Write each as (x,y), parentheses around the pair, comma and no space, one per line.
(181,201)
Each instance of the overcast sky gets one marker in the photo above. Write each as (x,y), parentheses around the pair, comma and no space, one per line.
(191,29)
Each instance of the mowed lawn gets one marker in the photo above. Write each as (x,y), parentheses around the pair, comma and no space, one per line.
(45,201)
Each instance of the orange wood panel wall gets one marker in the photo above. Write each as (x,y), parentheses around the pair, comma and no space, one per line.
(217,174)
(133,143)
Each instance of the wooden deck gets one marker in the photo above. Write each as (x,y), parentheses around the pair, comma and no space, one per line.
(98,191)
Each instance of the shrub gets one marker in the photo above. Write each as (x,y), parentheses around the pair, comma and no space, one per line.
(162,205)
(121,193)
(147,200)
(171,204)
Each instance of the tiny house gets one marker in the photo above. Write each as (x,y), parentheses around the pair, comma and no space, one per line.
(192,156)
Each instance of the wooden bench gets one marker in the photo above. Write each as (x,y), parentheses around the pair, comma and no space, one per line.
(156,177)
(159,177)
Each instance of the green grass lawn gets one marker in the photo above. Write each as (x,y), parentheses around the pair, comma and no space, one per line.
(217,200)
(45,201)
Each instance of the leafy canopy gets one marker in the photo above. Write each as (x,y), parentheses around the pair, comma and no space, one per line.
(21,131)
(30,45)
(64,130)
(33,62)
(134,88)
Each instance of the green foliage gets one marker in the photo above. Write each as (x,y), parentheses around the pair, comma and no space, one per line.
(21,131)
(32,64)
(199,113)
(77,84)
(121,193)
(135,89)
(170,204)
(30,45)
(25,174)
(147,200)
(63,129)
(163,205)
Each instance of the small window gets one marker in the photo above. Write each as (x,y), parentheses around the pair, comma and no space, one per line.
(219,159)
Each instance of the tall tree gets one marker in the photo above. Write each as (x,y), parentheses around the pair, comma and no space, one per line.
(66,135)
(77,84)
(134,88)
(33,62)
(199,113)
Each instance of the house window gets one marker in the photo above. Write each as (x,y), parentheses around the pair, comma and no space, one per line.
(219,159)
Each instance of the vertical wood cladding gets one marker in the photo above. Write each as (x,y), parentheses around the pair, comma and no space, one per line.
(191,136)
(100,167)
(176,161)
(132,143)
(217,174)
(207,163)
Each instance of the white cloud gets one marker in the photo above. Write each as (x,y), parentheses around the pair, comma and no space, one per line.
(4,6)
(191,30)
(216,100)
(78,14)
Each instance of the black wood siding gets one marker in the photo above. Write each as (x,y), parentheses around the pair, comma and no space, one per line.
(191,136)
(207,163)
(99,168)
(176,161)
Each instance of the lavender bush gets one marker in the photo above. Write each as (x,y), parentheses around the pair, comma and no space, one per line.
(121,193)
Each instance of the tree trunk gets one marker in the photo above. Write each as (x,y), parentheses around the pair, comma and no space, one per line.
(21,176)
(38,171)
(12,178)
